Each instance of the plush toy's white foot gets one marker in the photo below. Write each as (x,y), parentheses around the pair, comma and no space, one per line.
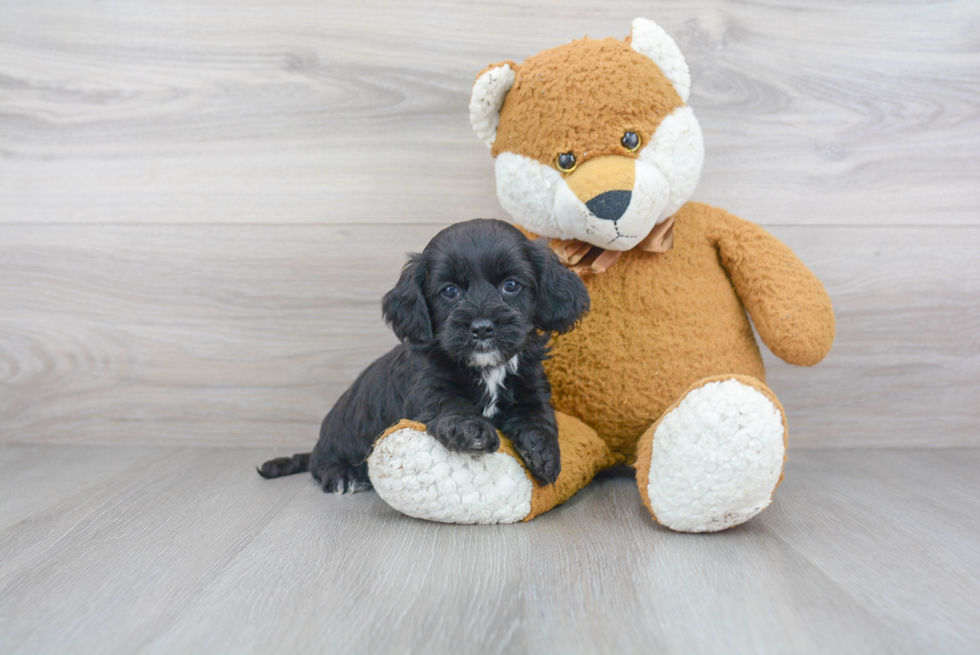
(416,475)
(713,460)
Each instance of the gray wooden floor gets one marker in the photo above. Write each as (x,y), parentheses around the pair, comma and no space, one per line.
(167,550)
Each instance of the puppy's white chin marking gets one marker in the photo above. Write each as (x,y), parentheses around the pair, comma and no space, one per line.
(485,360)
(493,379)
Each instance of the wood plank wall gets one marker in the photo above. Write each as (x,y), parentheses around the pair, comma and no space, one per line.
(201,203)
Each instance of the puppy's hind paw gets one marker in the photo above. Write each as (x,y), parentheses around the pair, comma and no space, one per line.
(340,479)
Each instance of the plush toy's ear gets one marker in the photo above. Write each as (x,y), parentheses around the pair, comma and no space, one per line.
(649,39)
(488,95)
(562,298)
(404,307)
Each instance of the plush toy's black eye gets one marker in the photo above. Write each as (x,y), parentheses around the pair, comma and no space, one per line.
(631,141)
(511,286)
(565,162)
(450,292)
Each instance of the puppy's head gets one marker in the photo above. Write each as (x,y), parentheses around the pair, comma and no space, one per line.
(478,291)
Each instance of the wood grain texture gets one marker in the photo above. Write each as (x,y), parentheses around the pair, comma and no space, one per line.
(201,203)
(245,335)
(814,112)
(161,550)
(905,366)
(179,334)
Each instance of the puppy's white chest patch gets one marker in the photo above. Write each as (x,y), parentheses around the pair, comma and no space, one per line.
(493,380)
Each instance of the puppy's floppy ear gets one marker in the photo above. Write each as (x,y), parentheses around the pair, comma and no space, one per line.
(562,298)
(404,307)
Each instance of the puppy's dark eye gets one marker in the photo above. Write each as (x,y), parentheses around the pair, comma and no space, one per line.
(631,141)
(511,286)
(565,162)
(450,292)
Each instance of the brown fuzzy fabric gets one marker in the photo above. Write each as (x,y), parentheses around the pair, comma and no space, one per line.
(581,98)
(644,450)
(660,322)
(787,303)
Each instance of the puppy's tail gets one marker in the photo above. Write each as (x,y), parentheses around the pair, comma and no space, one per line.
(280,466)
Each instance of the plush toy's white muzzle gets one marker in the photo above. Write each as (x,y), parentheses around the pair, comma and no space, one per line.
(665,175)
(620,223)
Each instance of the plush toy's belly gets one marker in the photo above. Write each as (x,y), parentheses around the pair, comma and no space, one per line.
(658,323)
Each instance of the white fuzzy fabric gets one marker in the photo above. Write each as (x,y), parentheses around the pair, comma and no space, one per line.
(526,190)
(417,476)
(716,458)
(651,40)
(677,151)
(650,196)
(487,97)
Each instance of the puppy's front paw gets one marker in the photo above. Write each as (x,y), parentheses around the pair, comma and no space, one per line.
(465,433)
(541,456)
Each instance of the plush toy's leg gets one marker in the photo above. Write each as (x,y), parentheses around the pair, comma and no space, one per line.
(416,475)
(715,457)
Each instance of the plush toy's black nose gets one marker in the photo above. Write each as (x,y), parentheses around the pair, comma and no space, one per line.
(482,328)
(610,205)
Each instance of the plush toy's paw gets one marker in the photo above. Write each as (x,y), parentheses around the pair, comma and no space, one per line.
(715,458)
(415,474)
(465,434)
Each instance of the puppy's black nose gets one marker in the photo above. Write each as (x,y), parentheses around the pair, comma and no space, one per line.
(610,205)
(482,328)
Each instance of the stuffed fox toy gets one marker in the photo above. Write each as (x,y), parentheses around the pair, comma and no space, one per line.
(596,149)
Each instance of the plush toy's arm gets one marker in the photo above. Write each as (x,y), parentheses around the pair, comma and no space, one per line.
(788,305)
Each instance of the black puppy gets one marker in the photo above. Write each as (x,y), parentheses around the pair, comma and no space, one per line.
(474,312)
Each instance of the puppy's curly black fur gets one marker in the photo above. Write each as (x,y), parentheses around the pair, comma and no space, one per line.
(474,312)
